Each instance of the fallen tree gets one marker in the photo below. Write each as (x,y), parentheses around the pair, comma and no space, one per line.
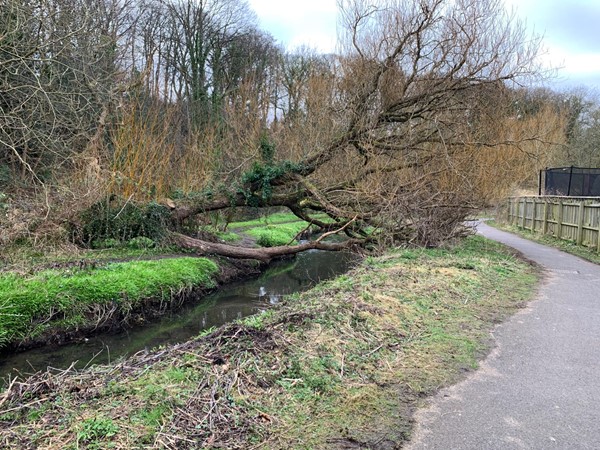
(419,92)
(414,123)
(260,254)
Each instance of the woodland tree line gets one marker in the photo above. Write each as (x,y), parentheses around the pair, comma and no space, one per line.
(423,114)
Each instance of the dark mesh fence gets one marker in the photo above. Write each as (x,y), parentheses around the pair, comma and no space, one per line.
(572,181)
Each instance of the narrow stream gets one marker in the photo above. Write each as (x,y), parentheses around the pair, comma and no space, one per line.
(234,301)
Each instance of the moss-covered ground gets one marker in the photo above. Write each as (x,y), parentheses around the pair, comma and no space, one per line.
(275,229)
(272,235)
(341,366)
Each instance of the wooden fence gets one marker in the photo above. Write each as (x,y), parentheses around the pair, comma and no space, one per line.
(575,219)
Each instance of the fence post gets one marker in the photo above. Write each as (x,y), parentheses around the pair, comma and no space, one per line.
(570,180)
(513,211)
(510,215)
(580,222)
(598,215)
(559,220)
(524,222)
(535,216)
(545,218)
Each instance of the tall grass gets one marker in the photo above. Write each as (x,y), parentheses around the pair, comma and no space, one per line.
(277,234)
(143,152)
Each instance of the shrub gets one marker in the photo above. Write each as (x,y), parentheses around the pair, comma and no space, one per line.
(267,239)
(113,220)
(140,243)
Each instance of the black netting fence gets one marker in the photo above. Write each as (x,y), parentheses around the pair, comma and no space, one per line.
(571,181)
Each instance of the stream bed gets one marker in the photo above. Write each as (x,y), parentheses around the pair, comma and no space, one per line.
(233,301)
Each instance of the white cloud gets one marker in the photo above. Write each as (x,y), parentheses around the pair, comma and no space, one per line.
(321,41)
(570,37)
(571,42)
(297,23)
(581,63)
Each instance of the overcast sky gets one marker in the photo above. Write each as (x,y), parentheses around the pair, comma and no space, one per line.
(571,30)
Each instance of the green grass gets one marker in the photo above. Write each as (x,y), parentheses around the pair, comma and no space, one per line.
(409,323)
(344,363)
(276,234)
(228,236)
(268,231)
(32,305)
(24,257)
(225,236)
(587,253)
(274,219)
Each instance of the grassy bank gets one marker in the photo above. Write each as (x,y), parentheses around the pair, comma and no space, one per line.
(340,366)
(87,292)
(268,231)
(276,234)
(272,219)
(587,253)
(273,230)
(66,300)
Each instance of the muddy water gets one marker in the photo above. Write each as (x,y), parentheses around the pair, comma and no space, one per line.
(232,302)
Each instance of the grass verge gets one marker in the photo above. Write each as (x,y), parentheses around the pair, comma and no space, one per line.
(65,300)
(25,259)
(587,253)
(341,366)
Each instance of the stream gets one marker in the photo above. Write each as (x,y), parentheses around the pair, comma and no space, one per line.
(231,302)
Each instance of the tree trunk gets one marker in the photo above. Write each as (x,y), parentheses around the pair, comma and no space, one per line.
(260,254)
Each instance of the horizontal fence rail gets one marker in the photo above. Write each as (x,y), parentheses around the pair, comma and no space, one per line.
(575,219)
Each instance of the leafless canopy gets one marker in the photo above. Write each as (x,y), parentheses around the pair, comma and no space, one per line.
(396,132)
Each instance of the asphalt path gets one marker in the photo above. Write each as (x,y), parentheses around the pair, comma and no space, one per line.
(540,387)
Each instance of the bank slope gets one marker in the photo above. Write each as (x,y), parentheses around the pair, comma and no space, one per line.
(54,302)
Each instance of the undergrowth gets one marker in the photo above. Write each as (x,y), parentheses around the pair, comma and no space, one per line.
(121,221)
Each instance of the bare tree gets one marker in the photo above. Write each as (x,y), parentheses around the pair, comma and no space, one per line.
(192,47)
(406,104)
(582,131)
(393,137)
(59,65)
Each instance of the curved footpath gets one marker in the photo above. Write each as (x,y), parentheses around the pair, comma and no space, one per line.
(540,388)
